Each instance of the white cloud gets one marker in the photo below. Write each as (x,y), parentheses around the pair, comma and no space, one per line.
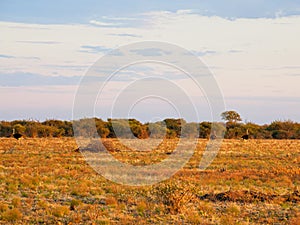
(184,11)
(119,18)
(104,24)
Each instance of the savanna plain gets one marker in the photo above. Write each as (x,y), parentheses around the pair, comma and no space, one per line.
(46,181)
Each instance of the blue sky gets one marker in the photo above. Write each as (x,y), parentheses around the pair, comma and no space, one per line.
(68,11)
(251,47)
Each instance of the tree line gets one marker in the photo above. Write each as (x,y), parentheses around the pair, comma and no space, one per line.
(232,127)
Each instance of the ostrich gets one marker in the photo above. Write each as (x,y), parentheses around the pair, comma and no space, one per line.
(16,135)
(246,136)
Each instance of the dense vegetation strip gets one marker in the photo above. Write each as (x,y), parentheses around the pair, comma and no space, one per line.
(169,128)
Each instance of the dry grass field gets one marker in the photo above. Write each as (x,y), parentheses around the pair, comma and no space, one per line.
(44,181)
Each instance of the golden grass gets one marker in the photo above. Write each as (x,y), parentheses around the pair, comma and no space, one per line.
(249,182)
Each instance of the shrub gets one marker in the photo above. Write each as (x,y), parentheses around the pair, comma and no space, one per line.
(16,202)
(174,196)
(12,215)
(60,211)
(3,207)
(111,201)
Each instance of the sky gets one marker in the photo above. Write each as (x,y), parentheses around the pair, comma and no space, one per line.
(251,48)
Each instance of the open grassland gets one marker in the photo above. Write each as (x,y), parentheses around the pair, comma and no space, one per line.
(44,181)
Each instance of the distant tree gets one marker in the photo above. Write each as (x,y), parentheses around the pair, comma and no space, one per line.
(19,128)
(102,128)
(32,129)
(59,128)
(297,133)
(5,129)
(157,130)
(234,130)
(255,131)
(218,129)
(68,129)
(85,127)
(22,122)
(171,134)
(280,134)
(190,130)
(204,129)
(174,125)
(120,128)
(231,116)
(138,129)
(283,129)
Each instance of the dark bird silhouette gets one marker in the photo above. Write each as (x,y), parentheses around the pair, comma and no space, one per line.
(16,135)
(246,136)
